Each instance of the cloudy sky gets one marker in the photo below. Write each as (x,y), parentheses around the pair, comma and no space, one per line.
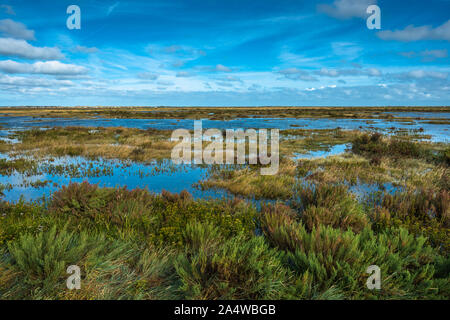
(223,53)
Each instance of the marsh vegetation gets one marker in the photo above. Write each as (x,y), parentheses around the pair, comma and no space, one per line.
(308,232)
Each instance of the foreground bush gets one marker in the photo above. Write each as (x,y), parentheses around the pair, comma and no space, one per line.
(329,205)
(331,257)
(238,268)
(376,145)
(159,219)
(137,245)
(422,212)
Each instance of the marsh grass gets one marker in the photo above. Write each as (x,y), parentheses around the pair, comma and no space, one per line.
(218,113)
(108,143)
(334,257)
(315,242)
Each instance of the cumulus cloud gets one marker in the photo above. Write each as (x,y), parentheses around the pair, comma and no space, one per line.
(13,29)
(419,75)
(230,79)
(412,33)
(174,55)
(148,76)
(371,72)
(297,74)
(222,68)
(165,83)
(48,67)
(83,49)
(427,55)
(22,49)
(217,68)
(15,81)
(224,84)
(329,72)
(183,74)
(346,9)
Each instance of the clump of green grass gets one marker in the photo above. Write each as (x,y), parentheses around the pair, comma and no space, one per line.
(132,244)
(43,258)
(237,268)
(34,266)
(422,212)
(154,218)
(336,258)
(250,183)
(20,218)
(376,145)
(329,205)
(20,165)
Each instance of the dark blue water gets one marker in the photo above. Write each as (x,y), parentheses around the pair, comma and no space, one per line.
(154,177)
(150,176)
(438,132)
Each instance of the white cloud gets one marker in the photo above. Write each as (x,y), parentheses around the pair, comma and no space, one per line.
(22,49)
(224,84)
(420,74)
(183,74)
(48,67)
(412,33)
(346,9)
(165,83)
(371,72)
(7,80)
(329,72)
(222,68)
(217,68)
(148,76)
(174,55)
(13,29)
(230,78)
(83,49)
(297,74)
(374,72)
(427,55)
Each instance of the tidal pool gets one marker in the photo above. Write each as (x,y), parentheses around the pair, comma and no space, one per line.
(438,132)
(54,173)
(332,151)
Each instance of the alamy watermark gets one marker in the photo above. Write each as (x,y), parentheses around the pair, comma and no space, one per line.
(74,20)
(374,280)
(230,151)
(374,20)
(74,281)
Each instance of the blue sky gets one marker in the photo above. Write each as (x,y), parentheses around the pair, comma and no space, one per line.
(224,53)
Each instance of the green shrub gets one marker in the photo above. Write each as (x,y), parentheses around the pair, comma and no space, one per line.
(336,258)
(43,258)
(375,145)
(159,219)
(422,212)
(238,268)
(329,205)
(20,218)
